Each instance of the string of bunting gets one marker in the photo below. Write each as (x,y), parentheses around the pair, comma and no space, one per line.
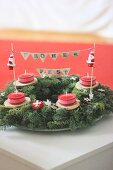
(49,72)
(53,55)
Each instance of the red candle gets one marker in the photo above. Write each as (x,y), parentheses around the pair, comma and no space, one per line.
(16,98)
(67,99)
(86,81)
(26,78)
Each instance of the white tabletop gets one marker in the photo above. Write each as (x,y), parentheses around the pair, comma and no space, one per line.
(57,150)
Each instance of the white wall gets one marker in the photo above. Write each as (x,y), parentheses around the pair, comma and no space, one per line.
(94,16)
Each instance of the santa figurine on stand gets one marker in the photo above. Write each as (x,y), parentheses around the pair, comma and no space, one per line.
(11,64)
(14,99)
(91,61)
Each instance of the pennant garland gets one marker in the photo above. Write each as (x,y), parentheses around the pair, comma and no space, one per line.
(53,55)
(50,72)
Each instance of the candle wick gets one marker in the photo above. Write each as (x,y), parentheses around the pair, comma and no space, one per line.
(87,75)
(25,71)
(16,91)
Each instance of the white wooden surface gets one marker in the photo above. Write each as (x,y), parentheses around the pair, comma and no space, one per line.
(89,149)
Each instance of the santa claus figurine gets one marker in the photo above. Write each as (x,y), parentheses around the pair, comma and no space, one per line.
(91,59)
(11,62)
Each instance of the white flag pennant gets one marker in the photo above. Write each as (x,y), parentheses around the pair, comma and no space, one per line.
(43,56)
(75,53)
(65,71)
(57,72)
(41,71)
(49,71)
(25,55)
(54,55)
(35,55)
(65,54)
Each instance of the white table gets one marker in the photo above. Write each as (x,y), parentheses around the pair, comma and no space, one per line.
(89,149)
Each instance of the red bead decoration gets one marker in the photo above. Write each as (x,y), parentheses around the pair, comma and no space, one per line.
(37,104)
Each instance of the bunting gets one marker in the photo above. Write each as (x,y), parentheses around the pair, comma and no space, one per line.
(50,72)
(53,55)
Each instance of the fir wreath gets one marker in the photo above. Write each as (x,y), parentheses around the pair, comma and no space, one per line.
(52,118)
